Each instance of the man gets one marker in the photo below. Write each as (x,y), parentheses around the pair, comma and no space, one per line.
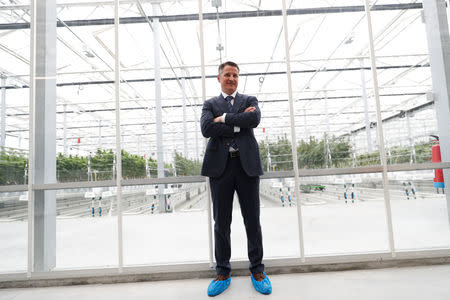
(232,163)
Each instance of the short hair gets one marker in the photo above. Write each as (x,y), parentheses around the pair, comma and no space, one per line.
(228,63)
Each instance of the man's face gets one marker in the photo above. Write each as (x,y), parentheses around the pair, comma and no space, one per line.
(229,79)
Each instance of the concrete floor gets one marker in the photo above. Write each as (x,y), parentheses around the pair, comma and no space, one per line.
(424,282)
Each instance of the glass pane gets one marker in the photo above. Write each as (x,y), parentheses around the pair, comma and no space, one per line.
(161,136)
(344,214)
(329,86)
(404,78)
(278,219)
(85,106)
(177,233)
(86,228)
(87,217)
(14,96)
(419,211)
(410,128)
(13,231)
(14,134)
(179,99)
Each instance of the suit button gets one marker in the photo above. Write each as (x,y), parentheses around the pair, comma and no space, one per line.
(228,144)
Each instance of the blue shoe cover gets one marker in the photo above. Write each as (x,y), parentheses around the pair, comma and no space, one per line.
(264,287)
(217,287)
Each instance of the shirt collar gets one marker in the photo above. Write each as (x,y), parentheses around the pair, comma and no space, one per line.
(226,95)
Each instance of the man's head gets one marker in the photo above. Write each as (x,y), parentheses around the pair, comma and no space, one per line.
(228,77)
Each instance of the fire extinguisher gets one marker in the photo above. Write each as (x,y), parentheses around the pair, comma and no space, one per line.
(438,181)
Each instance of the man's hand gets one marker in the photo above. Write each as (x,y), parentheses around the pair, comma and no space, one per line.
(218,119)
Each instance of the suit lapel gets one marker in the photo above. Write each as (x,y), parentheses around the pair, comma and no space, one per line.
(238,101)
(222,103)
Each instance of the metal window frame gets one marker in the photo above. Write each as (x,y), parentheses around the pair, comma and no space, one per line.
(381,147)
(201,179)
(240,267)
(293,134)
(118,135)
(29,186)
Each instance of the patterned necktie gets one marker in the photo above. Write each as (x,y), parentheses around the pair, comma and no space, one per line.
(230,106)
(228,99)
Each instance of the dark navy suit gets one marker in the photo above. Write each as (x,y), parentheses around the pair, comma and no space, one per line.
(229,174)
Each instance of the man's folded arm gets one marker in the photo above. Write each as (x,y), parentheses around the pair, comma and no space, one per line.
(245,119)
(213,129)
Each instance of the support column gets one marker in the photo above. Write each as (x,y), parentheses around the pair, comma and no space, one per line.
(412,158)
(183,81)
(305,124)
(45,137)
(387,197)
(3,116)
(208,189)
(147,168)
(197,129)
(100,134)
(139,144)
(158,108)
(293,134)
(439,52)
(366,107)
(328,162)
(65,129)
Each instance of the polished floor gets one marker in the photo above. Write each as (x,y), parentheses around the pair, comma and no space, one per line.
(424,282)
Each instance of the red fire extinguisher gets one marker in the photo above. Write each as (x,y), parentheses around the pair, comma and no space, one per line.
(438,181)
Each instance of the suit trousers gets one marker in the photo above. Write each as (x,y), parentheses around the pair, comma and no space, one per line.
(234,179)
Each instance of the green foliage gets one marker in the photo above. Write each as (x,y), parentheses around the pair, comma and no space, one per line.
(103,161)
(185,166)
(280,154)
(311,154)
(341,152)
(75,168)
(368,159)
(423,152)
(398,155)
(12,168)
(71,168)
(133,166)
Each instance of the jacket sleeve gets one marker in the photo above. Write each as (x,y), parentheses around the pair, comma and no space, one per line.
(245,119)
(213,129)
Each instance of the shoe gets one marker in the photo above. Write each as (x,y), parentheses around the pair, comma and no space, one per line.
(261,283)
(218,285)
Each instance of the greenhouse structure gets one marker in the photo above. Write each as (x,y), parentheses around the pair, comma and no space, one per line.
(101,145)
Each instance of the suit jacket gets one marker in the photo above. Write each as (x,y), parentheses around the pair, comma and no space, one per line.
(221,134)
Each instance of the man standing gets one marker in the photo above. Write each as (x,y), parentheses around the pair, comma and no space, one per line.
(232,163)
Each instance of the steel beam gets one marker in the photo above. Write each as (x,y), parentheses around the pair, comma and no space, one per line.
(65,129)
(223,15)
(366,108)
(183,81)
(3,116)
(98,82)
